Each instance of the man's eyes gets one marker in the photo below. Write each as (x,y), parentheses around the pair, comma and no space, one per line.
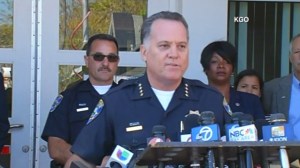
(296,52)
(180,47)
(164,45)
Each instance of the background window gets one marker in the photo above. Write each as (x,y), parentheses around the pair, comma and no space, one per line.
(81,19)
(262,31)
(6,23)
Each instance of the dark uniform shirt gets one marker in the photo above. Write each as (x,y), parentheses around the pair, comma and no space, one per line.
(246,103)
(71,111)
(4,123)
(131,110)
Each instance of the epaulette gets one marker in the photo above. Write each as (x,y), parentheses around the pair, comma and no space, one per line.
(123,85)
(198,83)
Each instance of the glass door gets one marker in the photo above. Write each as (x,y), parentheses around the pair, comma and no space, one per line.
(17,62)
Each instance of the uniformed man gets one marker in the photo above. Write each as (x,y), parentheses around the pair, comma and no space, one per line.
(73,107)
(161,97)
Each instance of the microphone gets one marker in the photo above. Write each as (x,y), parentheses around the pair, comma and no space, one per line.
(284,159)
(190,121)
(278,130)
(208,130)
(158,135)
(246,120)
(246,130)
(211,159)
(120,158)
(233,124)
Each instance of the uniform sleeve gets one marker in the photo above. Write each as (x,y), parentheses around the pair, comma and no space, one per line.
(95,140)
(4,124)
(57,124)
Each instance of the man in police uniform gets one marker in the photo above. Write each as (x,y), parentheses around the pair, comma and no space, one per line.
(160,97)
(73,107)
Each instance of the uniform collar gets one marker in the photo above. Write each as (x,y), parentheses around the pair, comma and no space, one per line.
(87,86)
(143,89)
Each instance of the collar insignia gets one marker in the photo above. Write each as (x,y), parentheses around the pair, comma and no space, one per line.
(186,90)
(141,91)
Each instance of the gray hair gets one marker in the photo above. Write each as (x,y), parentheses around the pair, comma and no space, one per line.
(146,27)
(291,43)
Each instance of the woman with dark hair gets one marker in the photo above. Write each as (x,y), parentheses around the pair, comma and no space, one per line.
(249,81)
(218,60)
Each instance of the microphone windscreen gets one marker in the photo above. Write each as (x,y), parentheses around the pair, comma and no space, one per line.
(190,121)
(115,165)
(236,116)
(158,130)
(246,119)
(277,117)
(207,117)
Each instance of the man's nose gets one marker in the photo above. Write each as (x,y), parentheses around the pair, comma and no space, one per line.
(173,51)
(105,61)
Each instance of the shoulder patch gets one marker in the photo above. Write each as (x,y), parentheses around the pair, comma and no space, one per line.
(96,111)
(56,102)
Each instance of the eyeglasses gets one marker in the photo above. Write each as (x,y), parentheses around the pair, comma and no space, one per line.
(110,57)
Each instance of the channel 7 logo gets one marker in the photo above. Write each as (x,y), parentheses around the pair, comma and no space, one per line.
(240,19)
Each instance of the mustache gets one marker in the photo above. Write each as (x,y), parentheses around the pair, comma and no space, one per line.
(104,68)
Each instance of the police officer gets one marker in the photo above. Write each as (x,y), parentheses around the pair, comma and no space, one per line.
(4,123)
(73,107)
(160,97)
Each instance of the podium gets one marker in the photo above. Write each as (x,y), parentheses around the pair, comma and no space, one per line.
(186,153)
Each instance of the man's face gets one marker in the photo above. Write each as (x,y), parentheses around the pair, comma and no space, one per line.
(295,56)
(102,72)
(166,51)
